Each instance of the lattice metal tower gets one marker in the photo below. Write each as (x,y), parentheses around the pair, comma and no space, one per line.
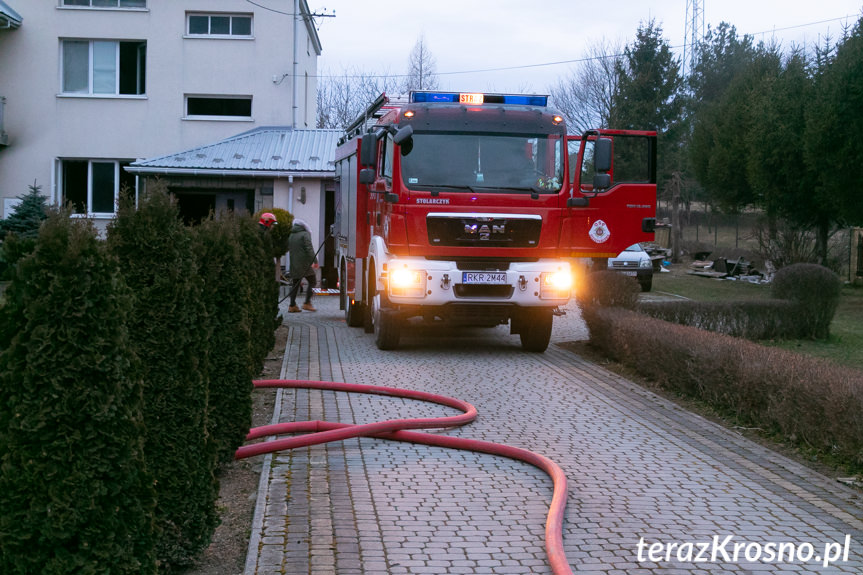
(694,32)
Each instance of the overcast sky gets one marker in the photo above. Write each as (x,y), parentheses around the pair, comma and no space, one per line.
(470,40)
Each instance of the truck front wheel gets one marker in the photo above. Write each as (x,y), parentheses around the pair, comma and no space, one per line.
(386,322)
(535,331)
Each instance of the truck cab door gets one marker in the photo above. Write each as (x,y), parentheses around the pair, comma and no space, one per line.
(610,207)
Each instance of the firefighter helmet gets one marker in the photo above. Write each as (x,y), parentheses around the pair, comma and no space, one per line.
(267,219)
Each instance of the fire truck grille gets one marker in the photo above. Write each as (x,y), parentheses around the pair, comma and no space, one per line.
(483,291)
(485,232)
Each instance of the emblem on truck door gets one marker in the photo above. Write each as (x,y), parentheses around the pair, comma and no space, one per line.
(599,232)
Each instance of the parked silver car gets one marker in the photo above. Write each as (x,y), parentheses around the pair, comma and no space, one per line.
(634,261)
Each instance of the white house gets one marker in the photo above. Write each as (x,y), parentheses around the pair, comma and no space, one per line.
(267,166)
(91,87)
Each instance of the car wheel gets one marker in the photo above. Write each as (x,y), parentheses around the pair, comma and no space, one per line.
(646,284)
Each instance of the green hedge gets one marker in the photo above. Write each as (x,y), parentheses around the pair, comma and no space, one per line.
(804,301)
(806,400)
(125,375)
(750,319)
(170,331)
(74,491)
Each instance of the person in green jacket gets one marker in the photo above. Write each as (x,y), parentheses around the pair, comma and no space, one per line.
(303,264)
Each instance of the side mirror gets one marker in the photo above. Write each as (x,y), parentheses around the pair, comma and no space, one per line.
(367,176)
(602,155)
(404,134)
(601,182)
(648,225)
(368,150)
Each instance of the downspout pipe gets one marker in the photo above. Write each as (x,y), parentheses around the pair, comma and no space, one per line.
(296,67)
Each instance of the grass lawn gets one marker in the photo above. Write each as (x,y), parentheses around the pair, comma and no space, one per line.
(845,345)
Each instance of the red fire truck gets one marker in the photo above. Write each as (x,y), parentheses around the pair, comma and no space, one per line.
(465,209)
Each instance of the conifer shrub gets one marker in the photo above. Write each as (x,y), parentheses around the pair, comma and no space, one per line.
(278,234)
(169,332)
(75,493)
(27,216)
(264,303)
(18,232)
(230,302)
(815,290)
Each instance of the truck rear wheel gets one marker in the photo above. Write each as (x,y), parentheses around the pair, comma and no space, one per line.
(536,330)
(353,309)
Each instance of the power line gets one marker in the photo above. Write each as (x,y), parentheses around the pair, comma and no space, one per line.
(559,62)
(312,14)
(270,9)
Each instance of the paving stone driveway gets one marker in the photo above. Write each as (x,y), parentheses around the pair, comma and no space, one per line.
(652,488)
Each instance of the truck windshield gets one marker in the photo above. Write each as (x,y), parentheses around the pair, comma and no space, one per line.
(484,162)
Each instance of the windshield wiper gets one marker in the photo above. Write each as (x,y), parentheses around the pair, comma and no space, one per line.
(532,189)
(434,187)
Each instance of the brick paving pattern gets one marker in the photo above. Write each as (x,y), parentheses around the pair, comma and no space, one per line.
(638,467)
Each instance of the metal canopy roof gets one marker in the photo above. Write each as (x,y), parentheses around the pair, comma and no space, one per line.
(272,151)
(9,18)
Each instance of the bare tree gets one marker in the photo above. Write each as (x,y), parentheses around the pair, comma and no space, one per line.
(342,97)
(422,68)
(585,97)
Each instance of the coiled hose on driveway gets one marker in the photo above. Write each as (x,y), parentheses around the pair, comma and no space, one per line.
(317,432)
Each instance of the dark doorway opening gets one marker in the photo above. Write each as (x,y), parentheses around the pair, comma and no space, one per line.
(329,271)
(195,207)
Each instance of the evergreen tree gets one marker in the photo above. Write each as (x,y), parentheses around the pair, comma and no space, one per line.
(169,332)
(27,216)
(720,58)
(648,94)
(230,303)
(832,144)
(260,274)
(74,492)
(776,169)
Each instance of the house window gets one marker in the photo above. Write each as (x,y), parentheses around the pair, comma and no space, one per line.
(107,3)
(219,106)
(104,67)
(93,187)
(219,25)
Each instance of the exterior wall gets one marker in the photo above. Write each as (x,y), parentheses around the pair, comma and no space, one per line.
(286,195)
(44,125)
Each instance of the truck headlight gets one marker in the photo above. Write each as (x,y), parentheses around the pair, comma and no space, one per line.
(555,285)
(644,263)
(406,282)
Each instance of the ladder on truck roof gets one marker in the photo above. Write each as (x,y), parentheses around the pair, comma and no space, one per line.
(375,110)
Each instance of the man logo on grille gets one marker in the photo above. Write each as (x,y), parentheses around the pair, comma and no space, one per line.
(484,231)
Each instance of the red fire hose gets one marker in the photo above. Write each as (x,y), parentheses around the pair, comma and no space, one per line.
(318,432)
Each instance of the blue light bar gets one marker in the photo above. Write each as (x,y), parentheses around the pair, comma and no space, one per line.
(425,97)
(526,100)
(456,97)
